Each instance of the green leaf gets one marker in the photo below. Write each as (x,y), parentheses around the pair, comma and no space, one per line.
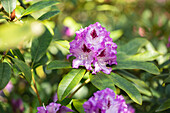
(140,85)
(12,35)
(65,101)
(69,81)
(40,45)
(147,66)
(116,34)
(102,81)
(145,56)
(18,11)
(165,64)
(48,15)
(5,74)
(58,64)
(24,68)
(164,106)
(127,86)
(9,5)
(167,80)
(38,6)
(42,61)
(78,104)
(2,16)
(133,46)
(17,53)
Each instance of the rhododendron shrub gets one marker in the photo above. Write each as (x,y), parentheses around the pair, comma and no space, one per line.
(84,56)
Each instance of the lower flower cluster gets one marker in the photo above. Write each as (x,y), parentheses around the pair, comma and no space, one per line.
(54,107)
(105,101)
(93,45)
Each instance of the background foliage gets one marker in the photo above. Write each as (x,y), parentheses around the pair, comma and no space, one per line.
(34,42)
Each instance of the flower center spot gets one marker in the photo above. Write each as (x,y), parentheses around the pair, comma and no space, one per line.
(85,49)
(93,34)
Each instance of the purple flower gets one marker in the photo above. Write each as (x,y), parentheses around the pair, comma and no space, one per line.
(17,106)
(93,45)
(54,107)
(130,109)
(168,44)
(105,101)
(55,97)
(8,88)
(67,31)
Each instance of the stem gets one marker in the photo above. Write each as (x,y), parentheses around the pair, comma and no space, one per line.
(35,90)
(22,4)
(87,81)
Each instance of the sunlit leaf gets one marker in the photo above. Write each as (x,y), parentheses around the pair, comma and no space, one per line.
(147,66)
(18,11)
(9,5)
(145,56)
(78,104)
(69,82)
(38,6)
(48,15)
(5,74)
(63,43)
(133,46)
(116,34)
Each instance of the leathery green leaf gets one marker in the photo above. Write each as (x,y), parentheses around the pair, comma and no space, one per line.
(147,66)
(102,81)
(48,15)
(164,106)
(38,6)
(40,45)
(127,86)
(9,5)
(24,68)
(133,46)
(78,104)
(5,74)
(69,81)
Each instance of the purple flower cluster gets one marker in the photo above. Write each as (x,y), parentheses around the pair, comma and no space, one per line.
(17,106)
(130,109)
(8,88)
(93,45)
(54,107)
(105,101)
(168,44)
